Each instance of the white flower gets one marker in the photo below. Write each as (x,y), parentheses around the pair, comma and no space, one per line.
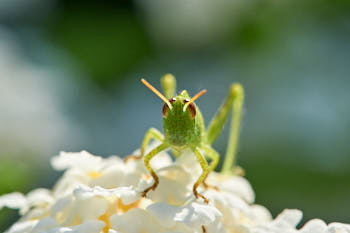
(315,225)
(12,200)
(286,222)
(98,195)
(162,217)
(338,228)
(85,168)
(38,200)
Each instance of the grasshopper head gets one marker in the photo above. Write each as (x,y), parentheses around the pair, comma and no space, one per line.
(178,103)
(179,121)
(179,117)
(180,107)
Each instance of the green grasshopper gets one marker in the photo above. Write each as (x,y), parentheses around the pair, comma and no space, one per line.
(184,129)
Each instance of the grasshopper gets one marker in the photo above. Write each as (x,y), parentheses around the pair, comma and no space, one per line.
(184,129)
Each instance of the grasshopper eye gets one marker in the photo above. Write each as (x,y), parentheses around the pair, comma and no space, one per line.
(165,108)
(191,108)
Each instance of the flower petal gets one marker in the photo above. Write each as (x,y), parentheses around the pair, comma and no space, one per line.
(134,221)
(336,227)
(126,194)
(192,215)
(13,200)
(261,214)
(314,226)
(239,186)
(37,197)
(21,227)
(91,226)
(289,218)
(45,224)
(82,160)
(174,185)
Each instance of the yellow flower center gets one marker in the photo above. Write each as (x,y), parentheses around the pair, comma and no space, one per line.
(105,218)
(94,174)
(117,207)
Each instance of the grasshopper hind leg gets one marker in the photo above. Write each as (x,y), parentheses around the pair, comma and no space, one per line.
(234,103)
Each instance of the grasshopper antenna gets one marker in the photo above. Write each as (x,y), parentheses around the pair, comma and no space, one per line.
(199,94)
(155,91)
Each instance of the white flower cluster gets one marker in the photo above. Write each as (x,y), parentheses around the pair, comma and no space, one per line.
(97,195)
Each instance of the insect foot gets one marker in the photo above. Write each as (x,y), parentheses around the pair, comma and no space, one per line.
(198,195)
(209,186)
(153,187)
(132,157)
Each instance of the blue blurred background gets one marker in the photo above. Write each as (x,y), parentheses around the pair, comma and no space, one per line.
(70,71)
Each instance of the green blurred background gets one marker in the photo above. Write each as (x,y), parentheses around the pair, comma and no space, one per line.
(70,71)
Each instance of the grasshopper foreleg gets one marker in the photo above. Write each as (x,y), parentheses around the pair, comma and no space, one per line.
(147,159)
(152,133)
